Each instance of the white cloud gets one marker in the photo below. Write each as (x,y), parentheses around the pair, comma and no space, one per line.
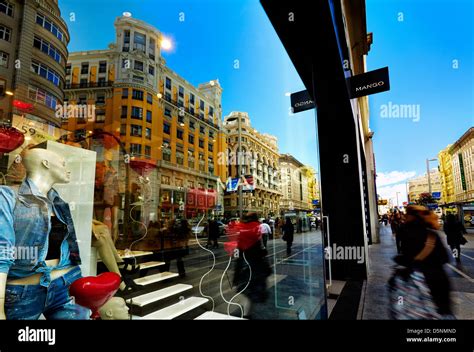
(393,177)
(390,193)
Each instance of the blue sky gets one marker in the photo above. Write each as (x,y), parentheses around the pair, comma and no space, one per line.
(213,35)
(418,50)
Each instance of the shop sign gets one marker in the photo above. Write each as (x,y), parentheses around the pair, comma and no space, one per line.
(368,83)
(301,101)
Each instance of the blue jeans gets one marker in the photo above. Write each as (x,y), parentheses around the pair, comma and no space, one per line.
(28,302)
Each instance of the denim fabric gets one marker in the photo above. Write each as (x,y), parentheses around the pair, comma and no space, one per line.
(25,222)
(28,302)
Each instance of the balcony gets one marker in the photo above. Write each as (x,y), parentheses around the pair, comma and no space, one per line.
(188,111)
(89,85)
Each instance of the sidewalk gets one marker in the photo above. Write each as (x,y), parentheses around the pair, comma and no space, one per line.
(374,300)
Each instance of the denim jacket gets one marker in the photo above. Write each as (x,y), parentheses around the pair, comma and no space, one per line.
(25,223)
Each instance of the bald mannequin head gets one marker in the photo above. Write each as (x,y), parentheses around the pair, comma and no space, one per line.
(47,165)
(114,309)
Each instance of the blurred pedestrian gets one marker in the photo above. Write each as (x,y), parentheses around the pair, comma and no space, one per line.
(420,288)
(266,231)
(288,233)
(395,223)
(454,230)
(212,234)
(252,267)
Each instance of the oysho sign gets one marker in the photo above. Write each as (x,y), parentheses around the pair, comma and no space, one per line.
(372,82)
(301,101)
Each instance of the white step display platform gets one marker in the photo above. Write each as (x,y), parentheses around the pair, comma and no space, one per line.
(177,309)
(159,295)
(217,316)
(151,279)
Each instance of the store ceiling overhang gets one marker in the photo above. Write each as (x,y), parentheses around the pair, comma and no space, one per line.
(306,31)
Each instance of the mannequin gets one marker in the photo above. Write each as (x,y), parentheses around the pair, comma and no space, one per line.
(102,240)
(36,218)
(114,309)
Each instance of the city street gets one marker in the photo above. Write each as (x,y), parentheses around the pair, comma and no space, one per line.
(374,300)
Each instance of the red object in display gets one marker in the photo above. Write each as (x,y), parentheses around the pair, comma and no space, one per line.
(94,291)
(191,199)
(23,106)
(211,199)
(10,139)
(142,166)
(201,199)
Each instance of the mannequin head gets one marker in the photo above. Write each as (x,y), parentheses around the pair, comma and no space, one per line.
(114,309)
(42,164)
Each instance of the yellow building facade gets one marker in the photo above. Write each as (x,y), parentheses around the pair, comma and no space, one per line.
(125,103)
(446,174)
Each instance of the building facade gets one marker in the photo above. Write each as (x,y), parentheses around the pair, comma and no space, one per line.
(33,55)
(139,111)
(313,186)
(419,185)
(295,199)
(446,172)
(255,156)
(462,154)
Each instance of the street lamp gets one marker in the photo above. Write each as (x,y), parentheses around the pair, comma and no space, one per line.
(428,173)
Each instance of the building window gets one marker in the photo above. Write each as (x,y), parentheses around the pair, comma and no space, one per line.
(3,59)
(192,165)
(101,82)
(137,113)
(100,99)
(139,41)
(135,130)
(100,116)
(202,130)
(125,63)
(148,116)
(210,147)
(84,68)
(151,70)
(179,134)
(180,103)
(5,33)
(123,129)
(45,72)
(6,8)
(211,134)
(135,149)
(191,139)
(149,98)
(191,110)
(165,180)
(168,83)
(138,78)
(148,133)
(102,66)
(83,83)
(41,96)
(124,112)
(201,105)
(167,112)
(68,69)
(47,24)
(137,94)
(138,65)
(125,93)
(147,151)
(201,143)
(126,40)
(191,125)
(166,128)
(180,159)
(181,92)
(190,184)
(151,48)
(201,115)
(211,111)
(47,48)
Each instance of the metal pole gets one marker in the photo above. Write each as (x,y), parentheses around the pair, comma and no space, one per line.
(239,167)
(397,200)
(429,176)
